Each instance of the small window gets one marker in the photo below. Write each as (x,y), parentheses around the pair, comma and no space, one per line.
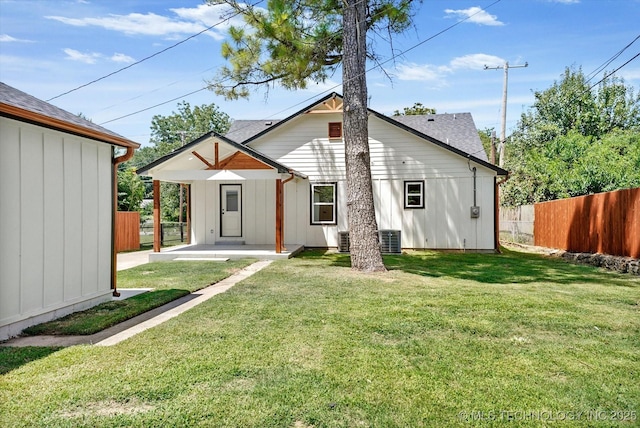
(414,194)
(335,129)
(323,203)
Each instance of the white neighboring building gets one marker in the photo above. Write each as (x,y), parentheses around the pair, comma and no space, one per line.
(57,175)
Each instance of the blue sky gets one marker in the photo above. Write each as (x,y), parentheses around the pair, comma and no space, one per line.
(50,47)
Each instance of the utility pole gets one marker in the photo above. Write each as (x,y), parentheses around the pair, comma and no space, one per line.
(503,134)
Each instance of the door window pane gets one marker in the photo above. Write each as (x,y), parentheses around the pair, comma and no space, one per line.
(232,200)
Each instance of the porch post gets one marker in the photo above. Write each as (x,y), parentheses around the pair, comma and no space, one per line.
(156,216)
(188,186)
(278,216)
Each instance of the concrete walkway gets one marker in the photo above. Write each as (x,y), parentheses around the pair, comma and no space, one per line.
(129,328)
(132,259)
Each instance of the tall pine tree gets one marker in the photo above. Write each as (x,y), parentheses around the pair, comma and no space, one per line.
(295,42)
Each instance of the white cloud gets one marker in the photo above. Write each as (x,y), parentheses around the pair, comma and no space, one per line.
(629,74)
(476,61)
(120,57)
(421,72)
(475,15)
(8,39)
(437,74)
(208,15)
(187,21)
(87,58)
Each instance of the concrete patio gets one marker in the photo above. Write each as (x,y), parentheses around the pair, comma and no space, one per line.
(224,252)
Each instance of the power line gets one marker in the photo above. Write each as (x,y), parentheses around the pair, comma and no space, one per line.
(614,71)
(378,65)
(150,56)
(610,60)
(154,106)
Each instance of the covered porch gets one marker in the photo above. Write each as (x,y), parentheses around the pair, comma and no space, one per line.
(224,252)
(234,200)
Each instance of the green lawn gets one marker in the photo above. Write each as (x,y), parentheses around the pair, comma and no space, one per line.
(169,281)
(441,340)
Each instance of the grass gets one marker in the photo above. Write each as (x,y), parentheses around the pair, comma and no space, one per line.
(170,280)
(12,358)
(440,340)
(105,315)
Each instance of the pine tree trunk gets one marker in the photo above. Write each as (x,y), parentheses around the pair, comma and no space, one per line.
(363,230)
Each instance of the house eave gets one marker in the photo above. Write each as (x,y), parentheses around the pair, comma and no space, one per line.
(277,166)
(17,113)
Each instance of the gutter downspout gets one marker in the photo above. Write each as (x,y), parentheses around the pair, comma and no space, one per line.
(496,220)
(281,208)
(114,209)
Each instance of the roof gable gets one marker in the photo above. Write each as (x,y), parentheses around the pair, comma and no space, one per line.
(24,107)
(240,156)
(454,132)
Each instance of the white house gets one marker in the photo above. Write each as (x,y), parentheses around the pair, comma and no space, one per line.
(282,183)
(57,174)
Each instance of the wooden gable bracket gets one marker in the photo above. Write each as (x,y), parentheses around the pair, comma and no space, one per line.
(334,105)
(206,162)
(240,160)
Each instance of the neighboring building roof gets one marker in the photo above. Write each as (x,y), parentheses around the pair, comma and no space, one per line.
(22,106)
(242,130)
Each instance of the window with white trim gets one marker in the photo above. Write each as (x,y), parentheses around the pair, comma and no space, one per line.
(414,194)
(323,203)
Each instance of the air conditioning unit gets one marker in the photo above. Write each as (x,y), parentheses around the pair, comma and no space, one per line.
(390,241)
(343,242)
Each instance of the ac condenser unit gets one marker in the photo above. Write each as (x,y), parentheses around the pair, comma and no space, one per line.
(390,242)
(343,242)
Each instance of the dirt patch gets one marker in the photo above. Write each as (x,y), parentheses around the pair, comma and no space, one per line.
(109,408)
(614,263)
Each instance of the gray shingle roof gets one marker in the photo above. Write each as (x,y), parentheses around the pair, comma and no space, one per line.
(242,130)
(458,130)
(16,98)
(455,129)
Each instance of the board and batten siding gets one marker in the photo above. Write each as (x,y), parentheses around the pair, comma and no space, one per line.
(396,156)
(258,211)
(55,222)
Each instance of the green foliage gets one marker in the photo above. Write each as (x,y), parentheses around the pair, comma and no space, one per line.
(169,133)
(485,138)
(575,141)
(416,109)
(293,42)
(130,190)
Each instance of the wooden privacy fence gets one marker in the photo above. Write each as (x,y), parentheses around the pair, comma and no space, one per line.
(605,223)
(127,231)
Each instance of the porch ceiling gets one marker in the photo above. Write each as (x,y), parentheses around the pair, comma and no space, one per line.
(186,176)
(212,154)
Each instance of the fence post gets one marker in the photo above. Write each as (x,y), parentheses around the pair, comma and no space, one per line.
(161,234)
(181,232)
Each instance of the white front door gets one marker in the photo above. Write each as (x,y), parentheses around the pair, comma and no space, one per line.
(231,210)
